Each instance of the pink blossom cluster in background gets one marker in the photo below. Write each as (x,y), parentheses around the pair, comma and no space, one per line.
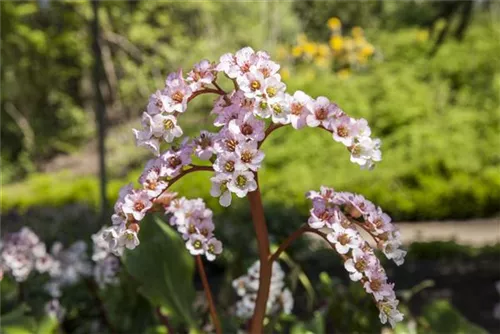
(23,253)
(246,286)
(339,215)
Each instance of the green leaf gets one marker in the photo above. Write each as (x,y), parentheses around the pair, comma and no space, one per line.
(164,269)
(442,317)
(304,280)
(315,325)
(16,322)
(48,325)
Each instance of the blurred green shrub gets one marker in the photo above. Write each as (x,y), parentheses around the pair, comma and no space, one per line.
(47,102)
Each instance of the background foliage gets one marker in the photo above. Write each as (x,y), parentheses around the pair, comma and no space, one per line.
(431,92)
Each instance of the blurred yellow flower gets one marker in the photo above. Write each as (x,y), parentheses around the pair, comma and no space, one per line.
(357,32)
(321,61)
(336,42)
(361,58)
(310,49)
(323,50)
(348,43)
(422,35)
(334,23)
(344,73)
(342,54)
(367,50)
(297,51)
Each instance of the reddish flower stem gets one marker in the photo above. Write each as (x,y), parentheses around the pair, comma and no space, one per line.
(323,235)
(218,87)
(270,129)
(261,233)
(284,245)
(205,91)
(208,294)
(194,168)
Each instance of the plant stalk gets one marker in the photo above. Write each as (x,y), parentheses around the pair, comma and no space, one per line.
(208,294)
(261,233)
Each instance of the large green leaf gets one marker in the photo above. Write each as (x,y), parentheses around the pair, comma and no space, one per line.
(17,322)
(164,269)
(314,326)
(48,325)
(442,317)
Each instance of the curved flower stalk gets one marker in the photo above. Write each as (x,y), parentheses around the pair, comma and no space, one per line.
(245,117)
(337,215)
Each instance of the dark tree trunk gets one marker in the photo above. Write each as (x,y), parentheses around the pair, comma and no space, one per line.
(464,21)
(100,107)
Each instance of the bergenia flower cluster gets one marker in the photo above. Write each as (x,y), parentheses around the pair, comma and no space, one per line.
(23,252)
(54,309)
(107,265)
(194,221)
(339,214)
(70,267)
(259,96)
(244,116)
(246,286)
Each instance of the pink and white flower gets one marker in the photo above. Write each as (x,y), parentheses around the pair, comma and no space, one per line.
(202,74)
(252,84)
(165,126)
(248,126)
(153,184)
(158,104)
(128,239)
(213,247)
(344,239)
(344,130)
(300,107)
(219,188)
(241,183)
(389,312)
(176,160)
(360,262)
(177,91)
(228,163)
(204,145)
(249,155)
(280,112)
(227,64)
(137,204)
(196,244)
(366,151)
(321,112)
